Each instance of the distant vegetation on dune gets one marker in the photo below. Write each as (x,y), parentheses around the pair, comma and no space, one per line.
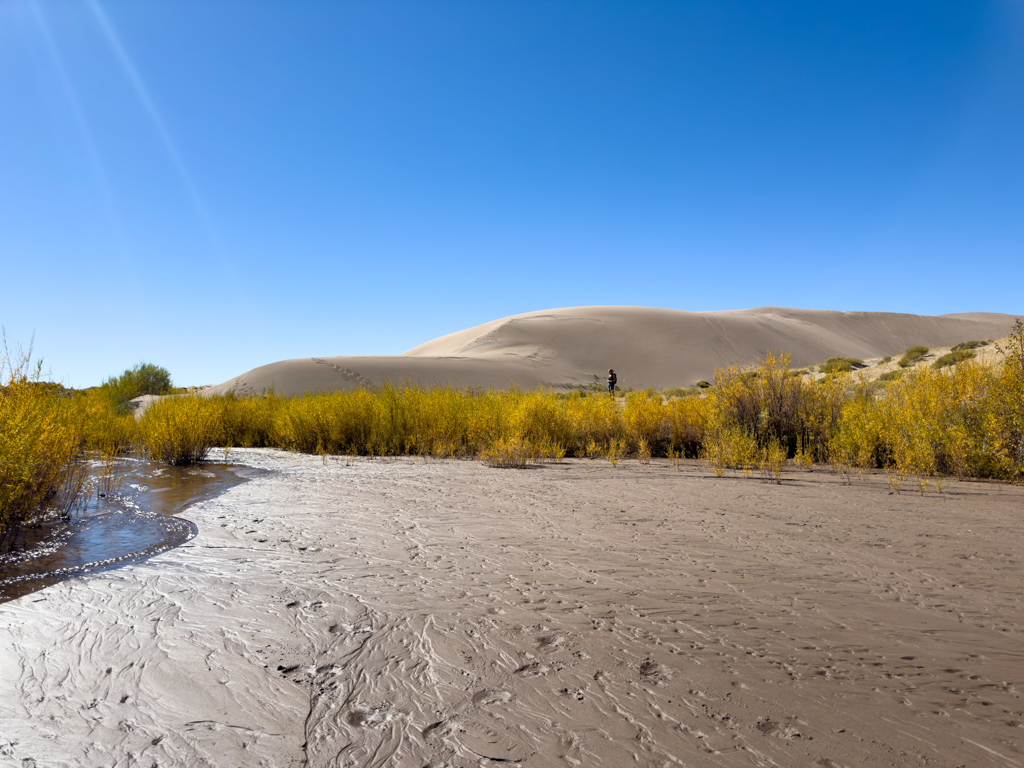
(958,417)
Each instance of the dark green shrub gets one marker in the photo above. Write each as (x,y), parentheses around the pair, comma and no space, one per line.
(885,360)
(967,345)
(703,384)
(841,364)
(952,358)
(913,355)
(143,379)
(890,376)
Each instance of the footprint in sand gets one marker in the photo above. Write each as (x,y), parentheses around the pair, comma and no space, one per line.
(535,668)
(369,716)
(779,730)
(442,728)
(551,641)
(655,672)
(491,696)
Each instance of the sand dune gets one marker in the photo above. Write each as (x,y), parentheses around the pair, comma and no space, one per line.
(398,612)
(648,347)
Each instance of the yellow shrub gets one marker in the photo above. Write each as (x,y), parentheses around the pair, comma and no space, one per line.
(646,422)
(40,439)
(509,452)
(180,429)
(688,423)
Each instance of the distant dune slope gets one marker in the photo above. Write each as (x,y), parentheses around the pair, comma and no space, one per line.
(647,347)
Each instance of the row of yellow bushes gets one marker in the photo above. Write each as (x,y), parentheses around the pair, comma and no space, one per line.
(965,421)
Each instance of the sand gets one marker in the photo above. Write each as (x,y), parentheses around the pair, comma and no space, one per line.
(409,613)
(647,347)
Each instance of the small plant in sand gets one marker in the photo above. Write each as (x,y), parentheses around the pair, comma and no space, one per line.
(952,358)
(912,356)
(771,460)
(613,450)
(676,456)
(643,451)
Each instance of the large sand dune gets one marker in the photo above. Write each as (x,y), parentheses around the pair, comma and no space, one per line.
(648,347)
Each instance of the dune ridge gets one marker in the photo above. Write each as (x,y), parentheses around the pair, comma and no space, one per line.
(649,347)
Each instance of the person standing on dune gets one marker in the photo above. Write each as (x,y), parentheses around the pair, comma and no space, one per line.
(612,381)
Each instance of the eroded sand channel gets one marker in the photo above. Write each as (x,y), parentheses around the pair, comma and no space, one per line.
(401,613)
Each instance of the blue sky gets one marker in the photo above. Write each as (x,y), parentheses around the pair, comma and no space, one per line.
(212,186)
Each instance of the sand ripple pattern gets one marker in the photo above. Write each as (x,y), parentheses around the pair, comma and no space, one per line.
(402,613)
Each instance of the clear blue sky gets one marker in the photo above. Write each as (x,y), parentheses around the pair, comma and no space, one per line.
(213,185)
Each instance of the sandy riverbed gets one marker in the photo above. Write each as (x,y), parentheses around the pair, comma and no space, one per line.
(402,613)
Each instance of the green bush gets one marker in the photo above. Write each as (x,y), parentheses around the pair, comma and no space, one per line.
(952,358)
(968,345)
(885,360)
(890,376)
(913,355)
(841,364)
(143,379)
(703,384)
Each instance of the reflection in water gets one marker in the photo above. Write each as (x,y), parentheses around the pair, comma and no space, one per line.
(125,520)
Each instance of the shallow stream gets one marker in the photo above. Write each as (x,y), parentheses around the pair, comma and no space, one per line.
(130,513)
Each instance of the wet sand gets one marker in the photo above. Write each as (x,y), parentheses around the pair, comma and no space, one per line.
(130,517)
(402,613)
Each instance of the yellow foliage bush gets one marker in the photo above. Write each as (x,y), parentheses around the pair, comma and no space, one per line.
(40,441)
(181,429)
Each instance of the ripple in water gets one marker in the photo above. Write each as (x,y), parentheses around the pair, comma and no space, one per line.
(136,519)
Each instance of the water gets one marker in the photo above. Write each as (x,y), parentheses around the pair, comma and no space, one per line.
(129,516)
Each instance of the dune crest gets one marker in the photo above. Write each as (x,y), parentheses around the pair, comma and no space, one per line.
(648,347)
